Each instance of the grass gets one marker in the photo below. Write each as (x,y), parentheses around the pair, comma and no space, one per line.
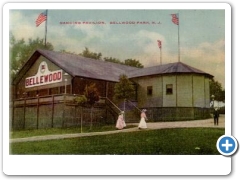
(182,141)
(52,131)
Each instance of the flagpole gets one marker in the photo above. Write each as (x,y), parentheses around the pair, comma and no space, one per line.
(46,29)
(160,50)
(160,56)
(178,40)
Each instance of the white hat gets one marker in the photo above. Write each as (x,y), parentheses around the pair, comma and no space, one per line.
(144,110)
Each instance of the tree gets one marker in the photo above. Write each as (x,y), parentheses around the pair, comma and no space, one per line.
(98,56)
(88,54)
(113,60)
(80,101)
(16,53)
(133,62)
(124,89)
(128,62)
(217,90)
(20,51)
(67,52)
(92,95)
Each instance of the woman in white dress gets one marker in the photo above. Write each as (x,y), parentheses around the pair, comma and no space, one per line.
(143,124)
(120,121)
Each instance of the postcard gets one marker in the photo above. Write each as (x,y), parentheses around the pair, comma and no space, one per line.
(118,89)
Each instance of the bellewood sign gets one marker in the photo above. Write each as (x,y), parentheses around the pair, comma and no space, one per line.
(43,77)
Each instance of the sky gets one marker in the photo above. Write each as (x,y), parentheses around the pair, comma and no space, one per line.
(201,34)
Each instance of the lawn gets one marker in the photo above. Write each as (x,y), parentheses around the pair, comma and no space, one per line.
(70,130)
(182,141)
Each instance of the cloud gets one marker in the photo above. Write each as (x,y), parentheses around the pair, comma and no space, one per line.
(75,38)
(149,51)
(24,27)
(209,57)
(92,31)
(123,43)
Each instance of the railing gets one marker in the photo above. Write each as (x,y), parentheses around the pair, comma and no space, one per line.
(52,111)
(134,105)
(112,103)
(61,110)
(49,99)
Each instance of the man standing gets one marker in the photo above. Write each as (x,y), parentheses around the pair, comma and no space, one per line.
(216,116)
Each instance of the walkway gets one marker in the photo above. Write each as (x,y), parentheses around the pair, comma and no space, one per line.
(151,125)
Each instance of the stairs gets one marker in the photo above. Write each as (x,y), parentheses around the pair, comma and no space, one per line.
(132,112)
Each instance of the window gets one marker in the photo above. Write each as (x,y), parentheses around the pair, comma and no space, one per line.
(62,89)
(169,89)
(149,90)
(53,91)
(29,94)
(43,92)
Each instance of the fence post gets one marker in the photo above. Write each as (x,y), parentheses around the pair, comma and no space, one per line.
(12,115)
(64,104)
(37,112)
(24,112)
(52,109)
(81,117)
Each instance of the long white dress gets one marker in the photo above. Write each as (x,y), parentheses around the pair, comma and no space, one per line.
(124,124)
(120,122)
(143,124)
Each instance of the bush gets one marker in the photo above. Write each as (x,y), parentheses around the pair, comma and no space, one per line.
(80,100)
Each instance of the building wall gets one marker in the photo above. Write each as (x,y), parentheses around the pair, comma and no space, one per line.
(43,89)
(198,91)
(207,93)
(185,91)
(105,88)
(74,85)
(187,100)
(146,100)
(189,90)
(79,85)
(169,100)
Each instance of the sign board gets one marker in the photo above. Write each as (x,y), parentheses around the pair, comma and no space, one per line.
(43,77)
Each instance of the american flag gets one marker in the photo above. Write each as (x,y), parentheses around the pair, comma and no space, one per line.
(41,18)
(159,43)
(175,19)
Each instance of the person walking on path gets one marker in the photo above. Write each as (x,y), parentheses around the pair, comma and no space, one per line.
(120,121)
(143,124)
(215,116)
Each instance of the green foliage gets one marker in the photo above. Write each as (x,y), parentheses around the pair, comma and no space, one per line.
(124,89)
(217,90)
(91,93)
(89,54)
(80,100)
(113,60)
(133,62)
(20,52)
(92,96)
(180,141)
(128,62)
(67,52)
(98,56)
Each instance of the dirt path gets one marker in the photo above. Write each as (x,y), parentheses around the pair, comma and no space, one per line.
(151,125)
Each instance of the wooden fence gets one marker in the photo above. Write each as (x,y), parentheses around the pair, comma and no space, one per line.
(52,111)
(61,111)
